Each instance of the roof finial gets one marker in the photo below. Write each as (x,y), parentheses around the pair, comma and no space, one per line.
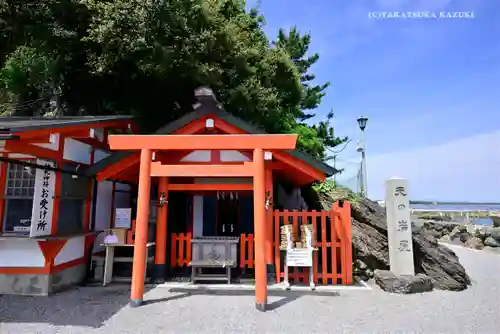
(205,94)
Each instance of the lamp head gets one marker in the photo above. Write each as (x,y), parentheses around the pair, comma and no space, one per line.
(362,122)
(360,147)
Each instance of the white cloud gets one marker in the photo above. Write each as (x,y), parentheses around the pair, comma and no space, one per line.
(466,169)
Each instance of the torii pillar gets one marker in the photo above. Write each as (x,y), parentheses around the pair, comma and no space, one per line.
(261,235)
(160,266)
(269,226)
(141,229)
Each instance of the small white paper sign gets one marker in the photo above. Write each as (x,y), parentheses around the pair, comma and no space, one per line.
(123,218)
(299,257)
(43,200)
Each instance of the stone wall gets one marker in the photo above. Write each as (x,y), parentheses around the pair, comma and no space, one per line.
(24,284)
(41,284)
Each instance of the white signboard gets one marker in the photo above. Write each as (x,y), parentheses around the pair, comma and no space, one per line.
(43,200)
(123,218)
(397,205)
(24,226)
(299,257)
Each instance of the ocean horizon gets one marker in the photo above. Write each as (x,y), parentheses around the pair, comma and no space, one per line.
(467,207)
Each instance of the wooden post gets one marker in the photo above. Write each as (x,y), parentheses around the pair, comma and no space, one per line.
(161,232)
(259,203)
(346,248)
(141,229)
(269,224)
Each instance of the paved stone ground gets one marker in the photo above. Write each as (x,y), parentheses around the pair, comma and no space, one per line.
(104,310)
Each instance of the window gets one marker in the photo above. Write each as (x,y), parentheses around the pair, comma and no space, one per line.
(74,191)
(19,190)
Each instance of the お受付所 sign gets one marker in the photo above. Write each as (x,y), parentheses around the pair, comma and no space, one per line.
(43,200)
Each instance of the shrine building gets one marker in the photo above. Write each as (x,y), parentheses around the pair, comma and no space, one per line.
(207,179)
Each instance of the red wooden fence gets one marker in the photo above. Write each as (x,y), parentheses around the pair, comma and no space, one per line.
(180,251)
(247,254)
(332,262)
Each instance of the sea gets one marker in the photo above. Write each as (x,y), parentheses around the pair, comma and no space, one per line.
(463,207)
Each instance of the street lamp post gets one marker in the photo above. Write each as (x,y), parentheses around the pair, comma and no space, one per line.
(361,148)
(335,167)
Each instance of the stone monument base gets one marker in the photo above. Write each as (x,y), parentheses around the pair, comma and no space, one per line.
(403,284)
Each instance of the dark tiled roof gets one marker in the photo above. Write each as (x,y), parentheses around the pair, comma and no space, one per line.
(208,106)
(20,124)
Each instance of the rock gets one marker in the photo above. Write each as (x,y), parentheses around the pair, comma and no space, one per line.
(434,233)
(471,228)
(436,218)
(361,265)
(439,227)
(369,238)
(496,220)
(445,239)
(495,233)
(475,243)
(457,241)
(402,284)
(440,263)
(360,270)
(417,226)
(482,233)
(450,227)
(495,250)
(491,242)
(370,246)
(457,231)
(465,236)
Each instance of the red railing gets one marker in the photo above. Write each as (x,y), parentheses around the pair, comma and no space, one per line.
(247,255)
(332,262)
(180,251)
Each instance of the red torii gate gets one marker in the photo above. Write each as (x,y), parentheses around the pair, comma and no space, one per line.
(148,144)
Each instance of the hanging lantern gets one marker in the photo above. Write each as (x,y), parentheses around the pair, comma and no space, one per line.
(236,195)
(231,196)
(218,195)
(269,200)
(163,199)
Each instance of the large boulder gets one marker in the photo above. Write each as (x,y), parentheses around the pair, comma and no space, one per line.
(369,237)
(402,284)
(475,243)
(496,219)
(491,242)
(495,233)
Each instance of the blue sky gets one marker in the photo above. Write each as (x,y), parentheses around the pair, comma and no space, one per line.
(429,87)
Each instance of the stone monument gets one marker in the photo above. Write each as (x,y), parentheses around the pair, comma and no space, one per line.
(397,205)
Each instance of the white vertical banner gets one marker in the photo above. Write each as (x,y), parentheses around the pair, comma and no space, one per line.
(43,199)
(397,205)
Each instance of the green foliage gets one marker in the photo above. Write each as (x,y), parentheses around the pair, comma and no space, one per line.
(325,187)
(26,68)
(145,58)
(334,192)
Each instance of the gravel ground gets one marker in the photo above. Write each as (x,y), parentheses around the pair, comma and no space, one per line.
(104,310)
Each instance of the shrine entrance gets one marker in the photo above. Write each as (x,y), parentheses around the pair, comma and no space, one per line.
(205,157)
(228,216)
(255,169)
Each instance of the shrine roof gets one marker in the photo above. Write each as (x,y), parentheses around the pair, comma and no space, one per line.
(208,105)
(21,124)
